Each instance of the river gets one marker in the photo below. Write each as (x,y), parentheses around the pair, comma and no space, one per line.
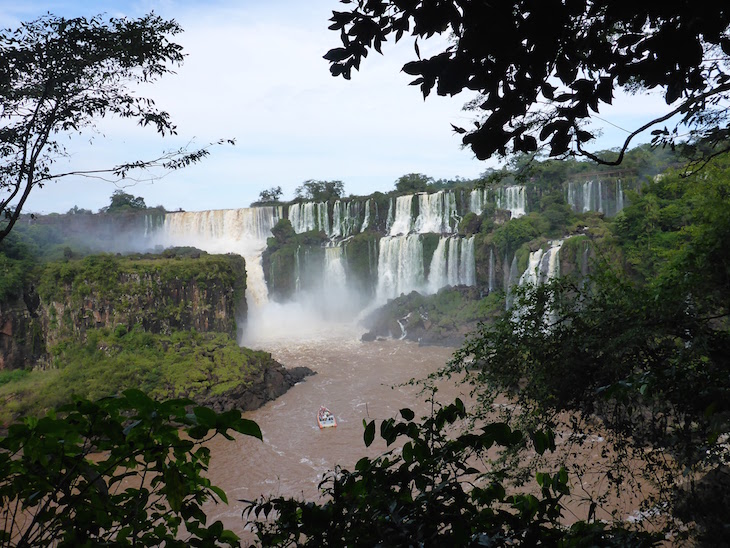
(356,380)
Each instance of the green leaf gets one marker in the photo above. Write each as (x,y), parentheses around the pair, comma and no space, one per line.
(369,434)
(407,414)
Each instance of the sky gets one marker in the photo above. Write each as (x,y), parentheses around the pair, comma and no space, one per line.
(255,72)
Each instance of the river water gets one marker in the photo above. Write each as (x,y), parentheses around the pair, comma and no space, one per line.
(355,380)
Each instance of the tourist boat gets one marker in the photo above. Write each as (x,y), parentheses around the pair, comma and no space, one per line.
(325,418)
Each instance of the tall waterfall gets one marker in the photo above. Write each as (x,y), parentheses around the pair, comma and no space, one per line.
(435,212)
(542,265)
(400,266)
(366,221)
(242,231)
(452,263)
(306,216)
(402,217)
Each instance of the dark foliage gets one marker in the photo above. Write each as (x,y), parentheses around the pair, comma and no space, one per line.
(543,68)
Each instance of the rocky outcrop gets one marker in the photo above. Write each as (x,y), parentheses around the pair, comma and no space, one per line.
(269,384)
(443,319)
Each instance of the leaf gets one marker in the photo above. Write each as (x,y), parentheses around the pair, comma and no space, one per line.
(369,434)
(248,427)
(205,416)
(407,414)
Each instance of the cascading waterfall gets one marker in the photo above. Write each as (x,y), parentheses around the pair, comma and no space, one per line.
(452,263)
(437,276)
(366,221)
(391,216)
(435,212)
(334,268)
(242,231)
(400,266)
(619,197)
(491,270)
(512,198)
(477,200)
(452,274)
(542,265)
(467,263)
(402,218)
(604,197)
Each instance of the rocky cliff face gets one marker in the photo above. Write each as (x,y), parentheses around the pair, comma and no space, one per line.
(159,293)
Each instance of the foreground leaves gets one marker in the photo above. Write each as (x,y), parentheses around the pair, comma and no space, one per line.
(124,470)
(432,492)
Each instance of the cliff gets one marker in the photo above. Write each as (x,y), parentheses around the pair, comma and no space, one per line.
(165,324)
(160,293)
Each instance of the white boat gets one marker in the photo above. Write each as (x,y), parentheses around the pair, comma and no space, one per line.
(325,418)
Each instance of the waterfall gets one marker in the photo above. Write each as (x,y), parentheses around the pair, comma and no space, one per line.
(596,196)
(452,263)
(477,199)
(242,231)
(619,197)
(491,270)
(391,215)
(437,277)
(467,264)
(366,221)
(338,217)
(334,268)
(435,212)
(543,265)
(452,272)
(512,198)
(401,219)
(301,217)
(400,266)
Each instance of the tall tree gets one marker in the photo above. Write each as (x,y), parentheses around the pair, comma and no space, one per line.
(545,68)
(413,182)
(58,77)
(122,201)
(320,191)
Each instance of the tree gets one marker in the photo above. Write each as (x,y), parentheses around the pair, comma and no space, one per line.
(320,191)
(58,77)
(121,201)
(543,69)
(642,350)
(272,195)
(413,182)
(117,471)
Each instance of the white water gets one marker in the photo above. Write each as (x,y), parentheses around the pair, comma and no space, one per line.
(604,197)
(400,266)
(512,198)
(402,219)
(242,231)
(435,212)
(543,265)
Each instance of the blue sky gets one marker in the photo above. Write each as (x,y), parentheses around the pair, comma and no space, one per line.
(254,72)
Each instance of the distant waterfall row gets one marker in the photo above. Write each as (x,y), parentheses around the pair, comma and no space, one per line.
(511,198)
(420,249)
(604,197)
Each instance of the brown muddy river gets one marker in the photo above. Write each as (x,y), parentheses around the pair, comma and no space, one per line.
(355,380)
